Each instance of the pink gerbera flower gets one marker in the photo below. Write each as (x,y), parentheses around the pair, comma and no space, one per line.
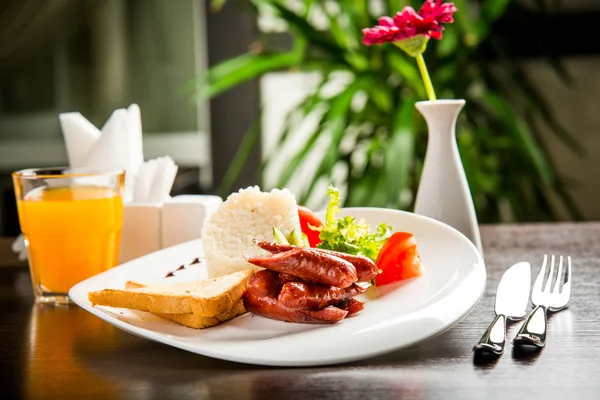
(409,23)
(410,31)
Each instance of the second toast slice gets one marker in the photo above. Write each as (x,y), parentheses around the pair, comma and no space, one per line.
(195,321)
(198,322)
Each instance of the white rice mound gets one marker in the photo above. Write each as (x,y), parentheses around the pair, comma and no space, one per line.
(246,215)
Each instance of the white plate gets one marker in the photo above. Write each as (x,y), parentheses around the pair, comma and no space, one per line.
(395,316)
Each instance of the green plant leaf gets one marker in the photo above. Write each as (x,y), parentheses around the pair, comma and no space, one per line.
(466,24)
(510,173)
(334,121)
(364,191)
(217,5)
(445,73)
(490,12)
(347,37)
(399,152)
(381,96)
(307,106)
(298,158)
(308,7)
(340,30)
(324,170)
(306,30)
(360,189)
(244,150)
(394,6)
(238,70)
(337,118)
(358,16)
(448,45)
(407,68)
(526,139)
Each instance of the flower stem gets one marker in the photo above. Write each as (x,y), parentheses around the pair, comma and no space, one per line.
(426,78)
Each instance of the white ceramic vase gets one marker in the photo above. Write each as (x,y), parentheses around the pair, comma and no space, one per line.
(443,192)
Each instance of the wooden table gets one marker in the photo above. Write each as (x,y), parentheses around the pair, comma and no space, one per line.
(7,257)
(48,352)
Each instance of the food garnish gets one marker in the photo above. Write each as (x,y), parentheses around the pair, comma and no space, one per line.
(295,238)
(398,259)
(309,222)
(396,254)
(346,235)
(279,237)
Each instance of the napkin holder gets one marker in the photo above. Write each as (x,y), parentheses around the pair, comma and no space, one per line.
(149,227)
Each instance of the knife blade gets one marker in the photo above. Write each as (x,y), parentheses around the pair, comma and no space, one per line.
(512,298)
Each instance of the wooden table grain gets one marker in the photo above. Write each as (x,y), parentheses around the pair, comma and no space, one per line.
(48,352)
(8,258)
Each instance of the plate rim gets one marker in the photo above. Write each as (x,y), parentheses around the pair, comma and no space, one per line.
(475,281)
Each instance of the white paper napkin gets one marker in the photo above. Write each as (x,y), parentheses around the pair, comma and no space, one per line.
(154,180)
(118,145)
(163,179)
(80,136)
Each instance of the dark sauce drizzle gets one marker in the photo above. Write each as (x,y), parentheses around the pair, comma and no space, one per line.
(172,273)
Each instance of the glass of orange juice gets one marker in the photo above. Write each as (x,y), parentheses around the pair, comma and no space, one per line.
(71,221)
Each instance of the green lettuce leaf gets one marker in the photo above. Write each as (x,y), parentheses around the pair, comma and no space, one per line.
(347,235)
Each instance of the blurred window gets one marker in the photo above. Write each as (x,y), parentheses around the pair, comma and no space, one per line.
(96,56)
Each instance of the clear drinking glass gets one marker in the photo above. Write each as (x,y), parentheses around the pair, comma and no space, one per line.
(71,221)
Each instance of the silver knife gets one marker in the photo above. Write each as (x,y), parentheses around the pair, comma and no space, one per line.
(512,299)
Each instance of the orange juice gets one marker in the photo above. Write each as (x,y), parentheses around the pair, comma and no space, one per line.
(72,233)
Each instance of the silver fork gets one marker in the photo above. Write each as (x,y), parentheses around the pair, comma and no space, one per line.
(533,330)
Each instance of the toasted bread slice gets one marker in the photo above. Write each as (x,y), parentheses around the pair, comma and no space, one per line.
(194,321)
(197,322)
(205,298)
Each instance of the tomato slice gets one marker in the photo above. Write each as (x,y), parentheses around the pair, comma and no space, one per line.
(398,259)
(307,217)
